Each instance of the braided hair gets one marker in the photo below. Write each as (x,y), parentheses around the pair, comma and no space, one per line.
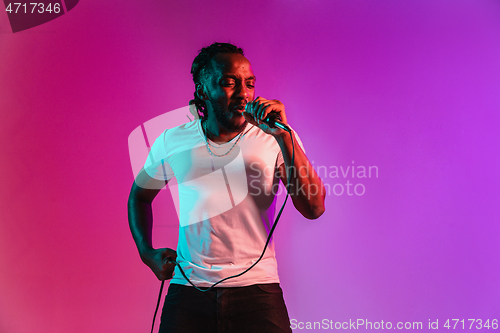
(202,68)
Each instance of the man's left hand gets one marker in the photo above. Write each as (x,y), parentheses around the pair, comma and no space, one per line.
(258,110)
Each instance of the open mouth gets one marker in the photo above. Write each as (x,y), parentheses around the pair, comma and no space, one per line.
(240,107)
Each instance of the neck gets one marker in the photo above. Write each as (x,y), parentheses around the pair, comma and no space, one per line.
(219,133)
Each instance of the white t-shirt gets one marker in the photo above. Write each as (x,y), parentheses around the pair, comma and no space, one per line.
(226,204)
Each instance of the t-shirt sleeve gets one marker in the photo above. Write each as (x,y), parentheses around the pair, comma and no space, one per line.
(280,160)
(156,165)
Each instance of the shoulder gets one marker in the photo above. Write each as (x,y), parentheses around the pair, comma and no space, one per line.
(182,135)
(192,126)
(191,129)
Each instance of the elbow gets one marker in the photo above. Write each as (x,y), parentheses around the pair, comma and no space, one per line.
(316,206)
(314,212)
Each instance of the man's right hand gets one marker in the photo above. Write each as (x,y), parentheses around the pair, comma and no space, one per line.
(160,262)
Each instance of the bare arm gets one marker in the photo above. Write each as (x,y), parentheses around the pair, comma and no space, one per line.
(306,188)
(140,218)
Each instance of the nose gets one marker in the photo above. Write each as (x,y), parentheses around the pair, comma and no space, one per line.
(243,91)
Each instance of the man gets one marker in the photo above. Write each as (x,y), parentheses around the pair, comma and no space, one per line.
(226,165)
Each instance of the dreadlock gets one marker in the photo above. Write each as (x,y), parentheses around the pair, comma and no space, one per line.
(202,67)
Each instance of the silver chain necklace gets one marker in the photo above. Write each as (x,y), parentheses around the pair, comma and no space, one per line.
(208,144)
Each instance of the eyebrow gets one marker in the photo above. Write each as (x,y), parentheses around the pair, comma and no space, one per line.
(230,76)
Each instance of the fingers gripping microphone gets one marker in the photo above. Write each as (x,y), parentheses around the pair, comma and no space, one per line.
(273,120)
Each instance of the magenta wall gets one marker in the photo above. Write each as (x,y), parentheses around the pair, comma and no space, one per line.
(409,87)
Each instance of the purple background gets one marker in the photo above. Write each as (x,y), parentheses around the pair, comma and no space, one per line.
(411,87)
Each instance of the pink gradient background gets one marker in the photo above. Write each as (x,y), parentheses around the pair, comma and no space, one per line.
(411,87)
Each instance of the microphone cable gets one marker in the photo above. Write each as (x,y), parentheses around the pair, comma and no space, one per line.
(255,263)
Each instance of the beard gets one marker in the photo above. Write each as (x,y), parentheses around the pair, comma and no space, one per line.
(225,117)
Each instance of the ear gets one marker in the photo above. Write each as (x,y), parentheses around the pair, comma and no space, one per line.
(201,92)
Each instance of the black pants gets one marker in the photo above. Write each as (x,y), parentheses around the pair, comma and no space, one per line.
(257,308)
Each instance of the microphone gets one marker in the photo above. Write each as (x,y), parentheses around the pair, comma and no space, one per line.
(273,120)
